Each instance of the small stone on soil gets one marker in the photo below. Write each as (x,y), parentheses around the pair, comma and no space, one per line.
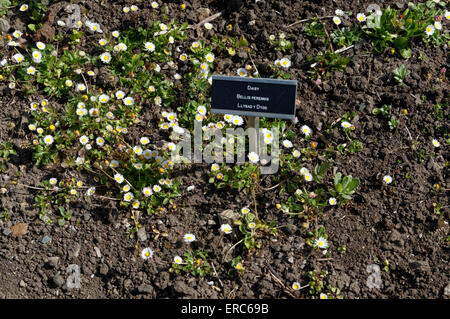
(52,262)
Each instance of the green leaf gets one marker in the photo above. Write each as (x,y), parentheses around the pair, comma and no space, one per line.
(406,53)
(400,43)
(337,179)
(353,185)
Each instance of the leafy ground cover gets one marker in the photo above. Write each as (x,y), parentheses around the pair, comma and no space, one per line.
(96,95)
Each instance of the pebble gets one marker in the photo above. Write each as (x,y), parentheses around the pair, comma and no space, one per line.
(447,290)
(75,251)
(46,239)
(141,234)
(211,222)
(4,25)
(103,270)
(145,289)
(58,281)
(22,284)
(97,252)
(52,262)
(374,280)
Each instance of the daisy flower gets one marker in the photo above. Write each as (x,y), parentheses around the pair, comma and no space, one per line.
(387,179)
(242,72)
(144,140)
(147,191)
(178,260)
(18,57)
(17,34)
(251,225)
(337,20)
(332,201)
(308,177)
(136,204)
(171,146)
(155,5)
(69,83)
(287,144)
(126,9)
(296,153)
(100,141)
(321,243)
(304,171)
(48,139)
(253,157)
(163,27)
(90,191)
(23,7)
(346,125)
(103,98)
(285,63)
(119,178)
(128,101)
(12,85)
(188,238)
(429,30)
(53,181)
(115,34)
(226,228)
(239,266)
(138,166)
(146,253)
(438,25)
(37,56)
(79,160)
(447,15)
(296,286)
(84,140)
(156,188)
(137,150)
(237,120)
(209,57)
(201,109)
(208,26)
(245,210)
(149,46)
(81,87)
(323,296)
(126,188)
(102,42)
(361,17)
(183,57)
(128,197)
(195,44)
(435,143)
(105,57)
(134,8)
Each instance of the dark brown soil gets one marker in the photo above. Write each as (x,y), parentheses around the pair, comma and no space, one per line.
(397,224)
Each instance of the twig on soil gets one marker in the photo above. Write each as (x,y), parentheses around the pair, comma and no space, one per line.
(251,59)
(270,188)
(208,19)
(328,36)
(305,20)
(231,248)
(344,49)
(215,272)
(286,289)
(28,186)
(324,259)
